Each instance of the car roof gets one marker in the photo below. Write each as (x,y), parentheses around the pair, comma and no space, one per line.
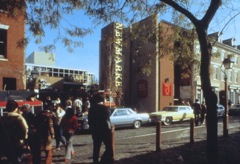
(177,106)
(120,108)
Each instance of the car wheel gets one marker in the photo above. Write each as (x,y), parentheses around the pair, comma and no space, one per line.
(137,124)
(167,121)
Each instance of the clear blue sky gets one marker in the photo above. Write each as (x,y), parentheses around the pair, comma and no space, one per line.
(83,58)
(87,57)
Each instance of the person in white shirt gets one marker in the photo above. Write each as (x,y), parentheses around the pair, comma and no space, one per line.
(77,106)
(58,115)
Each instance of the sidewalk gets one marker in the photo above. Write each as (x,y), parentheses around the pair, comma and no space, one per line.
(172,152)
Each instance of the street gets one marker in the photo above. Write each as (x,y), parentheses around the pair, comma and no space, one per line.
(130,141)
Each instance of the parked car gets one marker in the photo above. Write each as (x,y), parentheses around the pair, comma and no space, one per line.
(220,110)
(171,114)
(234,110)
(126,117)
(119,117)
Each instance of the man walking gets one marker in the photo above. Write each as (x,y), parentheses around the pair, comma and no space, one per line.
(100,128)
(197,111)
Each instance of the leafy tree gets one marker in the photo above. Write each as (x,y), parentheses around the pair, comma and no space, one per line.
(42,13)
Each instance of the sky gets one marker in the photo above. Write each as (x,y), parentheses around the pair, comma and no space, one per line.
(83,58)
(87,57)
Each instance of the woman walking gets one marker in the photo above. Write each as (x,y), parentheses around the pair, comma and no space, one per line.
(69,124)
(58,115)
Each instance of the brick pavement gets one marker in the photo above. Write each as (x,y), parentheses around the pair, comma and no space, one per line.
(172,151)
(142,151)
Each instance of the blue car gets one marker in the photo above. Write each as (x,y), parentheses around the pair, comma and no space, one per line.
(126,117)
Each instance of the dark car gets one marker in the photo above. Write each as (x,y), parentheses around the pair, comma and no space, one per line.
(234,110)
(220,110)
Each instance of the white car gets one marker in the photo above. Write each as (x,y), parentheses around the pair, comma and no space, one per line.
(171,114)
(122,117)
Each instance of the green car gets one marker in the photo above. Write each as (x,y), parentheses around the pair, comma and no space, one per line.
(171,114)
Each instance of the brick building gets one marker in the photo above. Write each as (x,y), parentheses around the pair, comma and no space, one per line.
(11,55)
(130,64)
(139,61)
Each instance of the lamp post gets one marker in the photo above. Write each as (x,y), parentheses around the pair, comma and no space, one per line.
(228,63)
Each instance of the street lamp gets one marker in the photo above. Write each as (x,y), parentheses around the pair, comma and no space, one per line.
(228,63)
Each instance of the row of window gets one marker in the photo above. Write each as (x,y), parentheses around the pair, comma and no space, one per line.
(232,75)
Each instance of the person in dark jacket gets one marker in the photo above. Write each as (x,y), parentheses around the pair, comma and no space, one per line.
(46,133)
(33,138)
(100,127)
(197,111)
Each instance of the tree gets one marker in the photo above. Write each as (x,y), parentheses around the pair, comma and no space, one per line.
(129,11)
(206,51)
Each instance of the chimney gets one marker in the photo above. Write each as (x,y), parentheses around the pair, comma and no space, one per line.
(238,47)
(215,36)
(229,41)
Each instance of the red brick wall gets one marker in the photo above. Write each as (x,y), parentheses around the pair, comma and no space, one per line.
(13,66)
(166,65)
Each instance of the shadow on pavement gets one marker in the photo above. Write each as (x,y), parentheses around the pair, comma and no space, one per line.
(228,153)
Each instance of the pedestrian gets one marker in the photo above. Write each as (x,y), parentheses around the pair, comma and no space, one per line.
(229,103)
(203,112)
(197,110)
(47,103)
(58,115)
(33,138)
(46,133)
(68,102)
(77,106)
(69,124)
(58,100)
(14,131)
(86,106)
(100,128)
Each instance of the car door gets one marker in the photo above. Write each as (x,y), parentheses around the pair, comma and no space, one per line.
(120,117)
(182,114)
(189,113)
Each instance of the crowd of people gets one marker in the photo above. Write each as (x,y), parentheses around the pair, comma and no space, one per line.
(57,120)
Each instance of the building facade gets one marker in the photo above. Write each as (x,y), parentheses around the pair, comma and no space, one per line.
(44,76)
(12,31)
(222,49)
(149,76)
(130,63)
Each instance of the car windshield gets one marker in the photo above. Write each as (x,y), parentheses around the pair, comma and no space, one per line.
(170,109)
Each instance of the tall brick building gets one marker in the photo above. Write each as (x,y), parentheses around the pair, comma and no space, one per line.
(11,55)
(130,63)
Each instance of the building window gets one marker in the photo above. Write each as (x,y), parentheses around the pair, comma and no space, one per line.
(9,83)
(3,43)
(215,73)
(236,77)
(222,75)
(230,77)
